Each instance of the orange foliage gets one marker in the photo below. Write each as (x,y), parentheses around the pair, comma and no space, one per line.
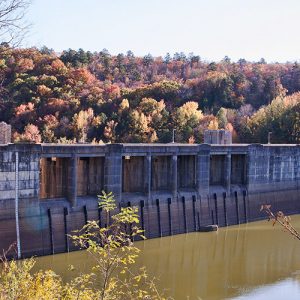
(83,75)
(56,105)
(31,134)
(25,64)
(58,65)
(24,109)
(43,90)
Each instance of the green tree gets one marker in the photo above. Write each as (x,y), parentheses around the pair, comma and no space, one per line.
(281,117)
(114,252)
(222,118)
(112,278)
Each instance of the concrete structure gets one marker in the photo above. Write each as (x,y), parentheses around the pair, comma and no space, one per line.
(178,187)
(5,133)
(221,137)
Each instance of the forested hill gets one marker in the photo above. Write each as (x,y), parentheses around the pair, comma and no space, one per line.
(91,97)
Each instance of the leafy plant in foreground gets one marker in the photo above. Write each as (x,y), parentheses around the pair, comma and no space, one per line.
(114,253)
(113,276)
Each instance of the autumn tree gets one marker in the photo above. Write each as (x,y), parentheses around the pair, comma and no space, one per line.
(31,134)
(110,131)
(186,118)
(142,98)
(157,118)
(83,122)
(138,127)
(281,117)
(207,122)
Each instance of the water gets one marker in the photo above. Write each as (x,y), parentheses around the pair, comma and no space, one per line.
(251,261)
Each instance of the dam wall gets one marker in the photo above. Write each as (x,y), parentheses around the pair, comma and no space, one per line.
(177,187)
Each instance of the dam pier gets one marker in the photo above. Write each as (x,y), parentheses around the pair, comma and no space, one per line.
(49,190)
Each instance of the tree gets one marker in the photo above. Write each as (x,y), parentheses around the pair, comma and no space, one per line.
(31,134)
(114,252)
(138,126)
(281,117)
(18,281)
(83,121)
(12,24)
(167,58)
(187,118)
(36,83)
(194,58)
(112,277)
(147,60)
(222,117)
(156,116)
(110,131)
(76,58)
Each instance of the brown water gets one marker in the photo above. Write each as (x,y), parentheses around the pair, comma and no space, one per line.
(251,261)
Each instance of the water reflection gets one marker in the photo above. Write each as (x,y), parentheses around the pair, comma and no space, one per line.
(285,289)
(244,261)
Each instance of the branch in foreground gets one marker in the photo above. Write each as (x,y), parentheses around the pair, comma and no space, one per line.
(280,218)
(13,25)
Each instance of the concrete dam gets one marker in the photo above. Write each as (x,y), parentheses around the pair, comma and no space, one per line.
(49,190)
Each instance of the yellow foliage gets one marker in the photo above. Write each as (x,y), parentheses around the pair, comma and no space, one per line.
(114,253)
(213,124)
(124,105)
(188,114)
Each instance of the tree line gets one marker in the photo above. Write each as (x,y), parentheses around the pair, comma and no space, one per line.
(79,96)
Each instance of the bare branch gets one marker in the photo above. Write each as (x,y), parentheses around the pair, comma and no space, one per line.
(280,218)
(13,27)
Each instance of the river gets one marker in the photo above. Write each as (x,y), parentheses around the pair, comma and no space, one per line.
(249,261)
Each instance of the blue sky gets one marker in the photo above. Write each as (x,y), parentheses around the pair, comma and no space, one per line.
(248,29)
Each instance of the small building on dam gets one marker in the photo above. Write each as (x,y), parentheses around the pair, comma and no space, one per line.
(177,187)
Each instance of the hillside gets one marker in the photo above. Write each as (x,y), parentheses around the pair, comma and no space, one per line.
(82,96)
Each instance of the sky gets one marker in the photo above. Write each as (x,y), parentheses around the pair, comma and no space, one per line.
(213,29)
